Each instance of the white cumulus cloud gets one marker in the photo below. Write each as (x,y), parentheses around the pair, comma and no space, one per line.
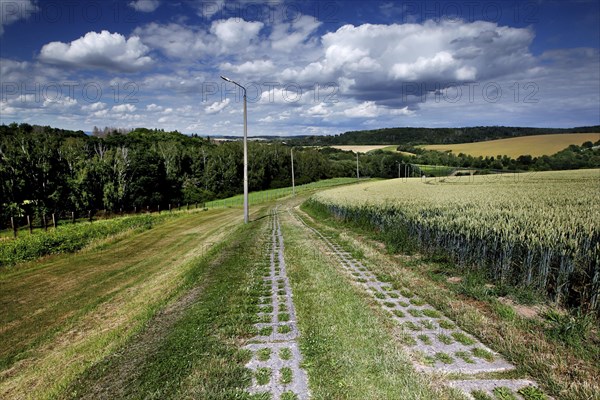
(145,5)
(124,108)
(99,50)
(217,106)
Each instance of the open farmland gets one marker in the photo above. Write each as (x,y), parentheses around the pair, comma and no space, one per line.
(540,230)
(538,145)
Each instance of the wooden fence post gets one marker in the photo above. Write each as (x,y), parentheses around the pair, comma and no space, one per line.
(90,215)
(44,223)
(147,208)
(159,208)
(54,221)
(14,226)
(29,224)
(135,209)
(169,207)
(73,217)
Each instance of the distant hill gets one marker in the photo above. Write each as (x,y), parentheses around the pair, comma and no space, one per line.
(422,136)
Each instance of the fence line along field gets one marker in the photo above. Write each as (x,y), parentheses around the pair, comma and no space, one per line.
(536,146)
(539,230)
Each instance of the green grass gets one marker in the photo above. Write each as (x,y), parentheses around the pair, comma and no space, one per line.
(69,238)
(462,338)
(264,354)
(106,293)
(265,331)
(445,339)
(466,357)
(285,354)
(532,393)
(283,329)
(283,317)
(443,357)
(425,339)
(265,196)
(482,353)
(446,324)
(427,324)
(504,393)
(289,396)
(349,352)
(263,376)
(414,312)
(197,356)
(399,314)
(286,376)
(481,395)
(432,313)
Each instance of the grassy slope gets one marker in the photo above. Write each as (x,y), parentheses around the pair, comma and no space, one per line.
(348,343)
(191,348)
(536,146)
(64,312)
(567,372)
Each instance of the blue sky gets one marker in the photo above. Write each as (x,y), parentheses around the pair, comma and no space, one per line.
(320,67)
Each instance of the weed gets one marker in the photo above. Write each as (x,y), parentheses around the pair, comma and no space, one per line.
(445,339)
(571,329)
(411,325)
(289,396)
(389,304)
(393,295)
(482,353)
(532,393)
(379,295)
(445,358)
(425,339)
(286,376)
(504,393)
(466,357)
(427,324)
(283,317)
(432,313)
(283,329)
(480,395)
(445,324)
(417,302)
(414,312)
(264,354)
(406,293)
(266,331)
(285,354)
(403,304)
(462,338)
(263,376)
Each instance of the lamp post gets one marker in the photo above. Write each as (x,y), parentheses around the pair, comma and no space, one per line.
(245,149)
(293,183)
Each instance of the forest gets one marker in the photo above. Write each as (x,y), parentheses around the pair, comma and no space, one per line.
(417,136)
(46,170)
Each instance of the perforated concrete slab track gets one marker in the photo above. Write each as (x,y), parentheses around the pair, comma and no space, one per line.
(438,344)
(276,356)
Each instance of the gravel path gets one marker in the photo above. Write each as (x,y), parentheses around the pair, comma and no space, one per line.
(276,355)
(436,343)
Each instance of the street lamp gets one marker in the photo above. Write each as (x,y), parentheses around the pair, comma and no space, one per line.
(245,149)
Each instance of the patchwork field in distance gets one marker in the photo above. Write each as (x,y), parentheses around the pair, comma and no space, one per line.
(537,145)
(541,230)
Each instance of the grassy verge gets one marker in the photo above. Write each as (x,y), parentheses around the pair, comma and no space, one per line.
(566,369)
(266,196)
(69,238)
(191,349)
(63,313)
(348,344)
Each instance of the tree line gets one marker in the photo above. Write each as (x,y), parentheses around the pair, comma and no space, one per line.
(419,136)
(44,170)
